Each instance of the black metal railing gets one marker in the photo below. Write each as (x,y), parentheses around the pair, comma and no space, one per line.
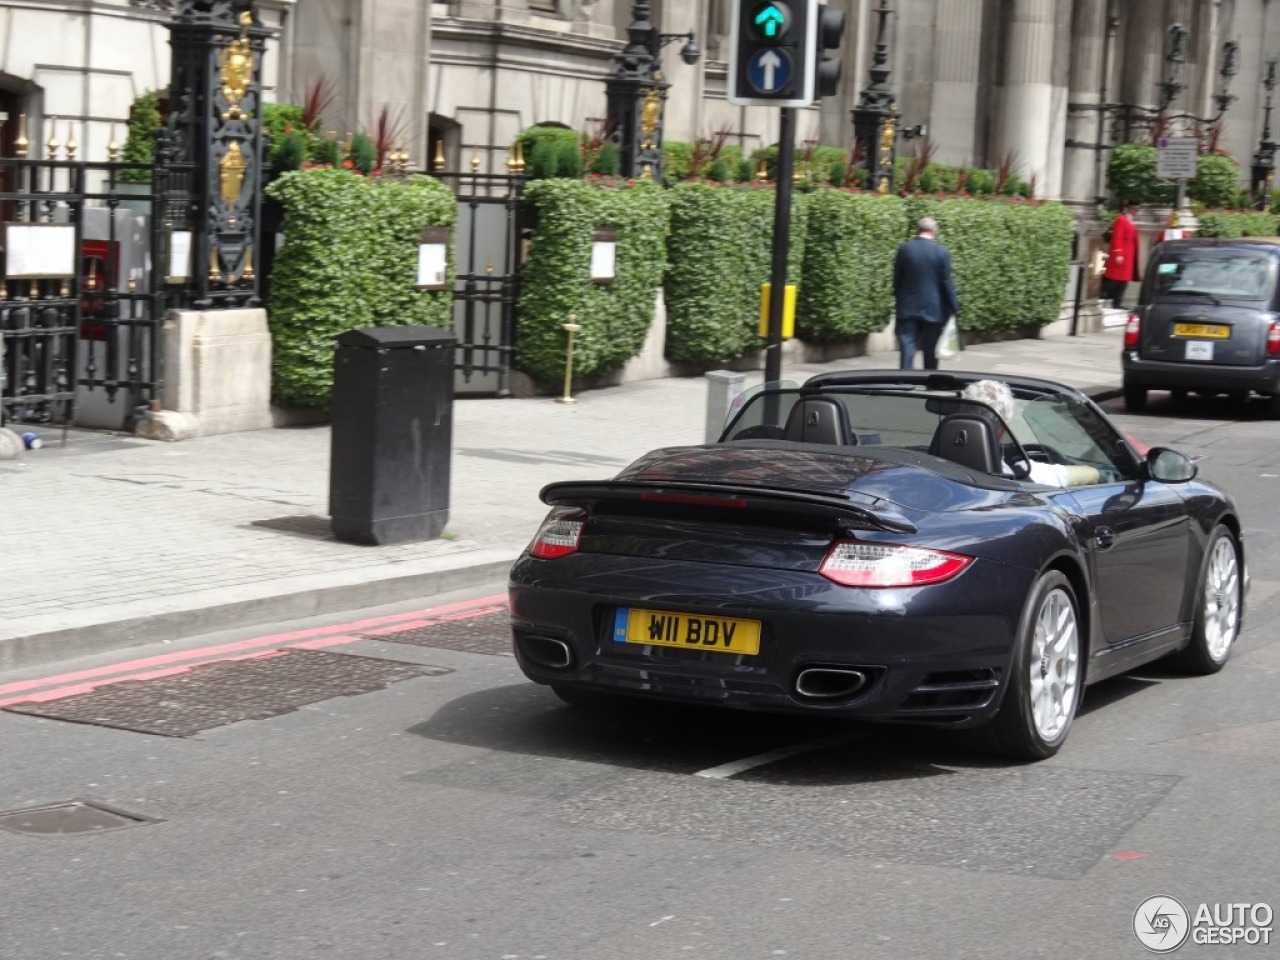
(81,304)
(487,285)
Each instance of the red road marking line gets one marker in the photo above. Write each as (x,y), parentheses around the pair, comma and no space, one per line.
(171,663)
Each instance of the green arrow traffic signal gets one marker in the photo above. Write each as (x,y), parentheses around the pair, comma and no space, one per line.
(771,19)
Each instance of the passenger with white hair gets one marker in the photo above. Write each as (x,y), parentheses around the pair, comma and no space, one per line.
(997,395)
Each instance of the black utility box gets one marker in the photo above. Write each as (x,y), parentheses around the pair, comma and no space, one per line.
(392,414)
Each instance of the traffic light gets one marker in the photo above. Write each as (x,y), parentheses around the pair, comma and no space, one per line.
(830,31)
(768,53)
(775,53)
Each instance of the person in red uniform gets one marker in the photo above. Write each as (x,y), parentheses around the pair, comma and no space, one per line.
(1122,257)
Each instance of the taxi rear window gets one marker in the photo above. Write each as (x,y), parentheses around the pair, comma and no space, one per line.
(1217,273)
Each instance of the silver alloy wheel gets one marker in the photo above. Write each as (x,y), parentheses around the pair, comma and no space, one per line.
(1221,599)
(1055,665)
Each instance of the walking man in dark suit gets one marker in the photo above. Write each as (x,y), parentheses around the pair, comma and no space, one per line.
(925,293)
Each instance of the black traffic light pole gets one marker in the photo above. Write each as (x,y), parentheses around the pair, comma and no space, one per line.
(784,178)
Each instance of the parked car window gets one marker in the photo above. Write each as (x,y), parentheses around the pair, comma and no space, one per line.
(1233,275)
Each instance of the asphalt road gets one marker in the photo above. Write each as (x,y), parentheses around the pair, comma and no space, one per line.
(469,815)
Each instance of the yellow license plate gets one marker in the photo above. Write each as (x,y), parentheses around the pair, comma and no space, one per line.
(1213,331)
(662,628)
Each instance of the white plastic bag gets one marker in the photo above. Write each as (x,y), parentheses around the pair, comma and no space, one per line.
(949,342)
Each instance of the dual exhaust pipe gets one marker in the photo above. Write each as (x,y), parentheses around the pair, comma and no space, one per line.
(812,683)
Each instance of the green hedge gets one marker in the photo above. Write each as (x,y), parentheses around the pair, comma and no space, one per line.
(349,261)
(847,282)
(719,253)
(1229,223)
(550,152)
(616,317)
(1011,259)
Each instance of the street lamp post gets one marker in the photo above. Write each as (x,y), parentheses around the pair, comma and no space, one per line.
(637,93)
(875,119)
(1264,161)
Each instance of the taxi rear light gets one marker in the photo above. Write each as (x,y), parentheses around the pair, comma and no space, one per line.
(856,564)
(1273,339)
(557,538)
(1132,330)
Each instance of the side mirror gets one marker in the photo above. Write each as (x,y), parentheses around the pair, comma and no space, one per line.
(1170,466)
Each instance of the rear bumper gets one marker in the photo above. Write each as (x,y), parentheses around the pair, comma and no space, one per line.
(1160,375)
(930,655)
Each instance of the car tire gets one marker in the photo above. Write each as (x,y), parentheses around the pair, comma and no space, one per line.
(1178,395)
(1135,398)
(1047,676)
(1219,604)
(1273,406)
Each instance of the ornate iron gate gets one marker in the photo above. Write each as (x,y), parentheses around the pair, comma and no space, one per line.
(80,300)
(489,253)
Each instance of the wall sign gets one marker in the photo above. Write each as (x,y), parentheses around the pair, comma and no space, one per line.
(178,266)
(433,259)
(604,256)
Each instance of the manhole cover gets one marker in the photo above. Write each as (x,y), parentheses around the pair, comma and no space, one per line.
(306,525)
(216,694)
(75,816)
(488,632)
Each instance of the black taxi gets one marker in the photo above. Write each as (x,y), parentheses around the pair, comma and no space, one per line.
(1207,320)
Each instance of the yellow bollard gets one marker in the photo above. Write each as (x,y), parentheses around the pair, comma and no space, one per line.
(572,327)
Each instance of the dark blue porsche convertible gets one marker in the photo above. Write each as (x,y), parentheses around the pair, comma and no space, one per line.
(897,546)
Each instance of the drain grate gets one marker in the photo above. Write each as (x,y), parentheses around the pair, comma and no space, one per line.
(216,694)
(305,525)
(487,632)
(74,816)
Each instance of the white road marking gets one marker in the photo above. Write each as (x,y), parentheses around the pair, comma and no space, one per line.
(727,770)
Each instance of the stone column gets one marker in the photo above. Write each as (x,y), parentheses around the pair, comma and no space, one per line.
(1026,123)
(956,57)
(685,115)
(1143,57)
(393,57)
(1089,34)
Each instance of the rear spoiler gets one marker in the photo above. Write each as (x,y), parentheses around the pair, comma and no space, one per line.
(583,492)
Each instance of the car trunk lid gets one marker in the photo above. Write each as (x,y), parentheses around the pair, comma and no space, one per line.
(732,504)
(1186,330)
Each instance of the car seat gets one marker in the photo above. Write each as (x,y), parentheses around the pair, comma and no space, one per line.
(819,420)
(969,440)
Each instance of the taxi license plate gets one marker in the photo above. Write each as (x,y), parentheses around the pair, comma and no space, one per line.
(1211,331)
(662,628)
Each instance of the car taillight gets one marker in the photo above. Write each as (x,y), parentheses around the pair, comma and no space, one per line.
(557,538)
(1132,329)
(1273,339)
(856,564)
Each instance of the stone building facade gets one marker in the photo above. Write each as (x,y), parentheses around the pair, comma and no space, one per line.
(84,62)
(985,78)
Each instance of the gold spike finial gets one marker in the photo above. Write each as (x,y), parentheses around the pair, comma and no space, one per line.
(72,146)
(113,147)
(22,144)
(437,162)
(52,145)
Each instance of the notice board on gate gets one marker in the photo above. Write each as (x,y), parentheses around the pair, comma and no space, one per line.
(40,251)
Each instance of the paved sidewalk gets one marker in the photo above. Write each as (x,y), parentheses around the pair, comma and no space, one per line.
(113,541)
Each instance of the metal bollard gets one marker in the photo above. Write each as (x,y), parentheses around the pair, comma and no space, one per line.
(723,387)
(572,328)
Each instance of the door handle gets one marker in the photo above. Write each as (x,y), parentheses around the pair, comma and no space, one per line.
(1105,537)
